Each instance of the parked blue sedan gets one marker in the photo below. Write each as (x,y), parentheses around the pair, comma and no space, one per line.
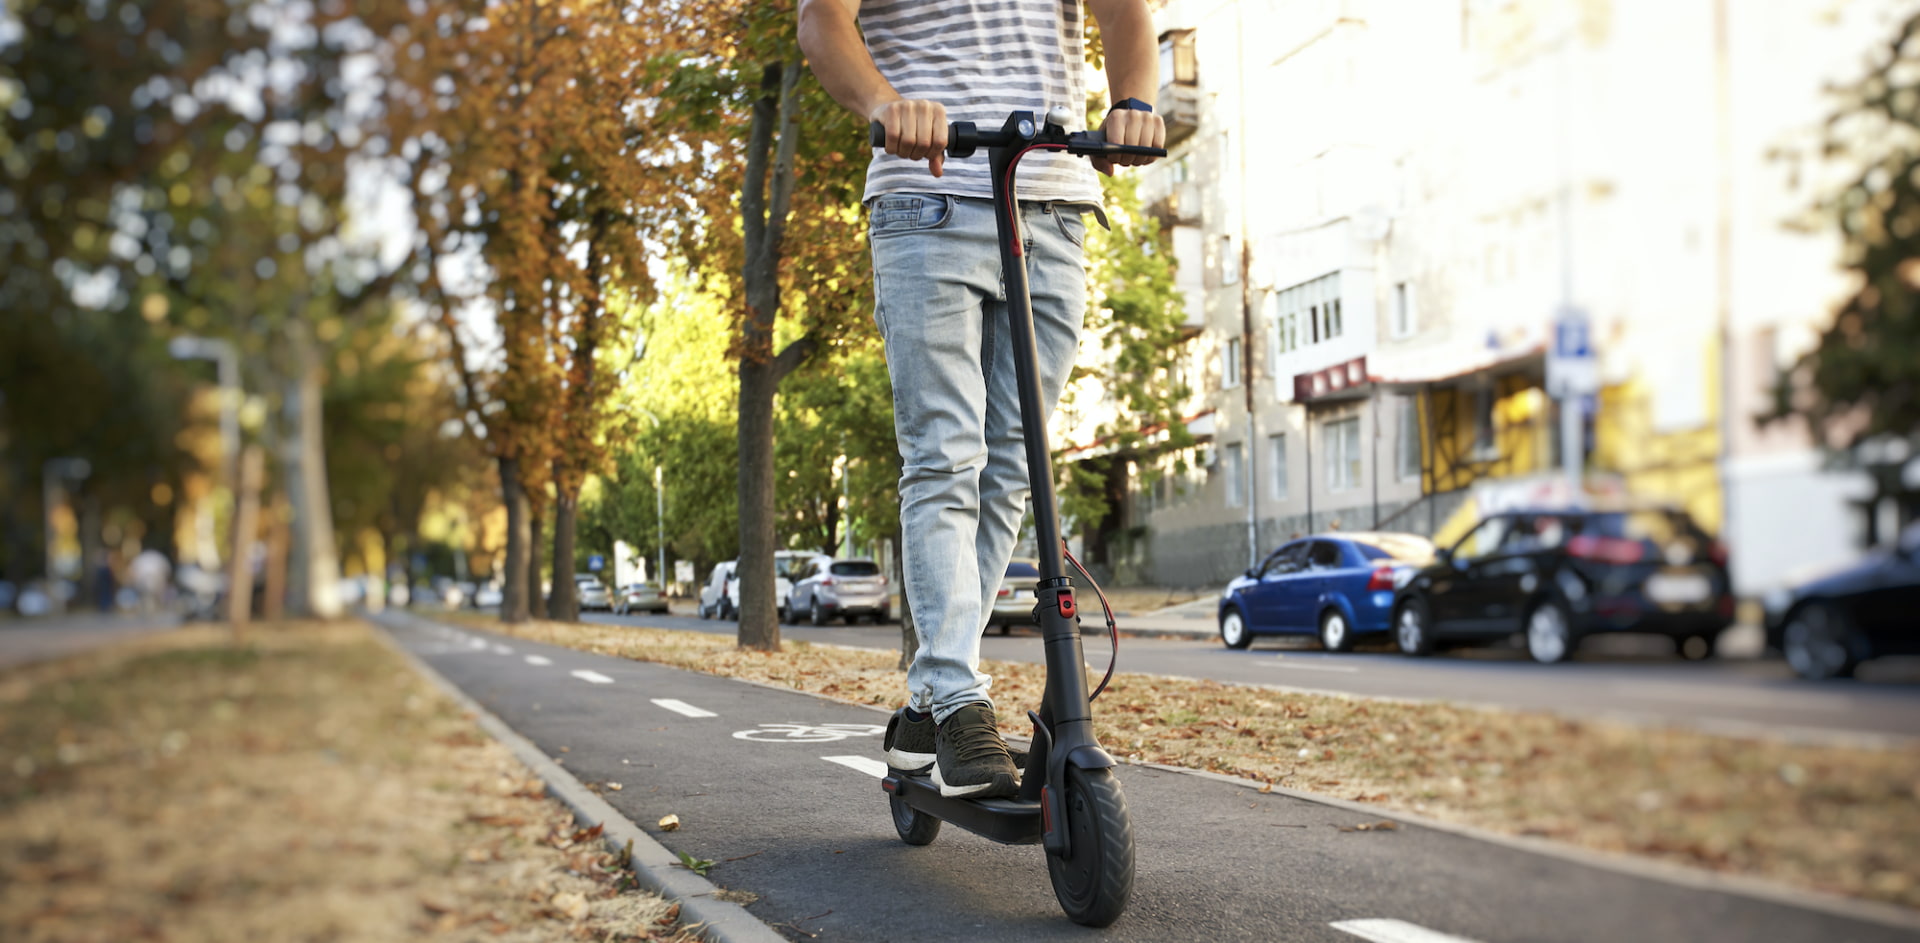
(1337,585)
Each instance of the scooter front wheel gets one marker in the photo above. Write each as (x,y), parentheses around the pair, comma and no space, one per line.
(915,827)
(1095,878)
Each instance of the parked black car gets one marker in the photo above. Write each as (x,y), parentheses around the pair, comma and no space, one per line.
(1558,575)
(1826,627)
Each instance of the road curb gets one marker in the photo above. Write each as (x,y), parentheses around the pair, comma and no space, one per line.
(653,866)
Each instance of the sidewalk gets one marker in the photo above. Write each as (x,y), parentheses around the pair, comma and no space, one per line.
(41,638)
(1191,620)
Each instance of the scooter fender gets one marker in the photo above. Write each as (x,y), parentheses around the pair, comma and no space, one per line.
(1053,804)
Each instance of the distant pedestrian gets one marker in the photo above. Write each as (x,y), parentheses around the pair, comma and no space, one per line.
(149,573)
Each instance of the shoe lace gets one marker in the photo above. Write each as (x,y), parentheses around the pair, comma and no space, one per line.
(979,739)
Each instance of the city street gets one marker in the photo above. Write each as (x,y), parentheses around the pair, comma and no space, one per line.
(1738,696)
(778,789)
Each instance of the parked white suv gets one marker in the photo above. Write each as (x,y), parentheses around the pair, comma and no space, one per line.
(847,589)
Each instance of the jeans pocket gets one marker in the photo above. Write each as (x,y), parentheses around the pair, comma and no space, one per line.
(908,212)
(1073,224)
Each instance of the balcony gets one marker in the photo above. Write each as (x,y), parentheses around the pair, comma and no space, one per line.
(1180,207)
(1179,109)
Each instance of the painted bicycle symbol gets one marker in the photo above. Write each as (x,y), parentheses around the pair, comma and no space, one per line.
(807,733)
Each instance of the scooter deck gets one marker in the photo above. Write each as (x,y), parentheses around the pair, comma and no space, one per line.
(1007,821)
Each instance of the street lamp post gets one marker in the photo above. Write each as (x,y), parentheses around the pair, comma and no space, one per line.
(660,519)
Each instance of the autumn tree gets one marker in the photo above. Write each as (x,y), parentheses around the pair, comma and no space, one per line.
(1859,388)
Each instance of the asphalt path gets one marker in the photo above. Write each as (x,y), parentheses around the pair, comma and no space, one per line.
(779,790)
(1738,696)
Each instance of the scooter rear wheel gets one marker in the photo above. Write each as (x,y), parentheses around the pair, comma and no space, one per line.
(1095,879)
(915,827)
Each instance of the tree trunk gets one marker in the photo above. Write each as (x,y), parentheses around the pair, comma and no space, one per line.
(273,595)
(909,634)
(313,567)
(764,201)
(536,600)
(564,603)
(514,601)
(246,527)
(759,624)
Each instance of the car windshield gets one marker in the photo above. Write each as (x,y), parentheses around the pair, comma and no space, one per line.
(1018,568)
(785,567)
(855,568)
(1400,548)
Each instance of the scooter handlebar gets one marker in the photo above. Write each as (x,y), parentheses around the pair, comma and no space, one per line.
(963,138)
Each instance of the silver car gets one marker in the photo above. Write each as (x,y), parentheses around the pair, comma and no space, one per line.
(592,593)
(640,597)
(1015,601)
(838,588)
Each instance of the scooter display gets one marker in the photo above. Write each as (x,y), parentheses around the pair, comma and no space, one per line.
(1069,801)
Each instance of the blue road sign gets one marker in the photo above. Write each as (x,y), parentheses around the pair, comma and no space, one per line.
(596,562)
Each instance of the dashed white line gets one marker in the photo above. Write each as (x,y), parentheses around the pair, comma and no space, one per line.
(539,660)
(682,707)
(1395,931)
(593,676)
(864,764)
(1302,666)
(502,650)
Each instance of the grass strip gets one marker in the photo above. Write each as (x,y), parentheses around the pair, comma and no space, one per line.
(307,786)
(1837,819)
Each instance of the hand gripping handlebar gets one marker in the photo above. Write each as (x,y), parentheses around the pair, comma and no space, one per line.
(963,138)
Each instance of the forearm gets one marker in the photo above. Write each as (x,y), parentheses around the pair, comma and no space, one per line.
(830,38)
(1133,52)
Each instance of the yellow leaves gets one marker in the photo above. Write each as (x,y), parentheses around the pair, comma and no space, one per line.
(669,822)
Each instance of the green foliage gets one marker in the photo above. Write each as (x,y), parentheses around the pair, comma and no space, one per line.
(1135,317)
(1862,382)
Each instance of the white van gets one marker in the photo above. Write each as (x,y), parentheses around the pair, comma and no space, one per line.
(720,597)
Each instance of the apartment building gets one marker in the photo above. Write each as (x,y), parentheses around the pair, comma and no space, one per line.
(1381,208)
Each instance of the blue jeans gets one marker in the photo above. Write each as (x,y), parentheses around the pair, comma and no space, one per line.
(941,306)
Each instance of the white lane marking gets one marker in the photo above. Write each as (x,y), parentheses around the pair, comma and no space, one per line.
(808,733)
(1715,696)
(593,676)
(1395,931)
(539,660)
(502,650)
(682,707)
(477,643)
(1303,666)
(864,764)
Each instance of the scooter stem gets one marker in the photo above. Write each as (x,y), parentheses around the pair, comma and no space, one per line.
(1064,715)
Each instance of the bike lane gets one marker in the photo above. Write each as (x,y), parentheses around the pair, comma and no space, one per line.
(780,790)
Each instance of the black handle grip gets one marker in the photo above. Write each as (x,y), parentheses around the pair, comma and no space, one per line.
(877,133)
(963,138)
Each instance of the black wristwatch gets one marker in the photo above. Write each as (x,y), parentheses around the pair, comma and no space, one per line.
(1131,104)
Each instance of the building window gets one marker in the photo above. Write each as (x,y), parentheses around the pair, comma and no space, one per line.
(1277,462)
(1309,313)
(1234,471)
(1407,451)
(1405,320)
(1183,169)
(1229,260)
(1334,326)
(1178,63)
(1230,364)
(1343,454)
(1485,443)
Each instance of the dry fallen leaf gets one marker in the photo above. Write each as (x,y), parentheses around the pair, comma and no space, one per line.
(616,787)
(573,904)
(669,822)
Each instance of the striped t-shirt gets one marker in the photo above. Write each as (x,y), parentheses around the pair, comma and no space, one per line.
(982,59)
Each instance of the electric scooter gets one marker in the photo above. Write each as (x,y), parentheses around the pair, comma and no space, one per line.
(1069,801)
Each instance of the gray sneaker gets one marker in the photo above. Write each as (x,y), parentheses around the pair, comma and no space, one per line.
(909,742)
(972,759)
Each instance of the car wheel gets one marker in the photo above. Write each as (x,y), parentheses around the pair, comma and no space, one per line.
(1233,630)
(1819,642)
(703,613)
(1695,647)
(1334,633)
(1411,628)
(814,615)
(1549,633)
